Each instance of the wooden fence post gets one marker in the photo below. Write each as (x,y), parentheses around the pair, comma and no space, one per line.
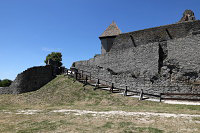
(141,95)
(98,82)
(81,73)
(76,76)
(160,97)
(125,91)
(112,87)
(86,78)
(96,85)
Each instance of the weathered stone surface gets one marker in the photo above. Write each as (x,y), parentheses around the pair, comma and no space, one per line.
(30,80)
(5,90)
(157,34)
(137,60)
(185,51)
(188,15)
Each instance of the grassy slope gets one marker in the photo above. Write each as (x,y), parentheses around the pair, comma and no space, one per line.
(63,92)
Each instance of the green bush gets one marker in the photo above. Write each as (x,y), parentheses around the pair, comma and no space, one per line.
(54,56)
(5,83)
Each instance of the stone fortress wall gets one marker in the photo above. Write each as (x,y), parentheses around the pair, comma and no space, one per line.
(157,60)
(30,80)
(137,59)
(157,34)
(126,67)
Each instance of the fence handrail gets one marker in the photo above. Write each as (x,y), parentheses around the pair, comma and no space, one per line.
(186,94)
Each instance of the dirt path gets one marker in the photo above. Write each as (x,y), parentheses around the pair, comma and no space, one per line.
(181,102)
(123,113)
(103,113)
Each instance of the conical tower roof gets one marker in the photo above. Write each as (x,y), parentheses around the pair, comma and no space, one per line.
(112,30)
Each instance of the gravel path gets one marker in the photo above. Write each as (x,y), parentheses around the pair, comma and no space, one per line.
(123,113)
(101,113)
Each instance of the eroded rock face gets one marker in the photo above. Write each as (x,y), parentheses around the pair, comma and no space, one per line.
(188,15)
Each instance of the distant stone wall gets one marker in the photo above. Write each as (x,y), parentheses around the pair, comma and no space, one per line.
(157,34)
(30,80)
(5,90)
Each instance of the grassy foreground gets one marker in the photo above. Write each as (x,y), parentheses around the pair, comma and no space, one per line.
(64,93)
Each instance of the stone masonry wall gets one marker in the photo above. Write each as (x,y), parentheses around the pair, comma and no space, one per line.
(138,67)
(30,80)
(186,51)
(122,80)
(157,34)
(136,60)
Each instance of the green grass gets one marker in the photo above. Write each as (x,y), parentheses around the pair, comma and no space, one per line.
(65,93)
(125,124)
(142,130)
(196,119)
(107,125)
(129,127)
(38,126)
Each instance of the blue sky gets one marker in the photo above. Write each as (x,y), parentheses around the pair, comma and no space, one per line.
(31,29)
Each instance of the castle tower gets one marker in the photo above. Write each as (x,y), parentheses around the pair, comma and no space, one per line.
(108,36)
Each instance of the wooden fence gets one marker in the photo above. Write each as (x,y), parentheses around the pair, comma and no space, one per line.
(87,78)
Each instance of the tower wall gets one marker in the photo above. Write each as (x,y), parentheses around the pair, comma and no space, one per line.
(106,44)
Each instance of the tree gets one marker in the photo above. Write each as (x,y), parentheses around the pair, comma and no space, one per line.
(54,59)
(5,83)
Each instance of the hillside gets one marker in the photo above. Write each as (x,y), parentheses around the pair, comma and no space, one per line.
(65,92)
(64,105)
